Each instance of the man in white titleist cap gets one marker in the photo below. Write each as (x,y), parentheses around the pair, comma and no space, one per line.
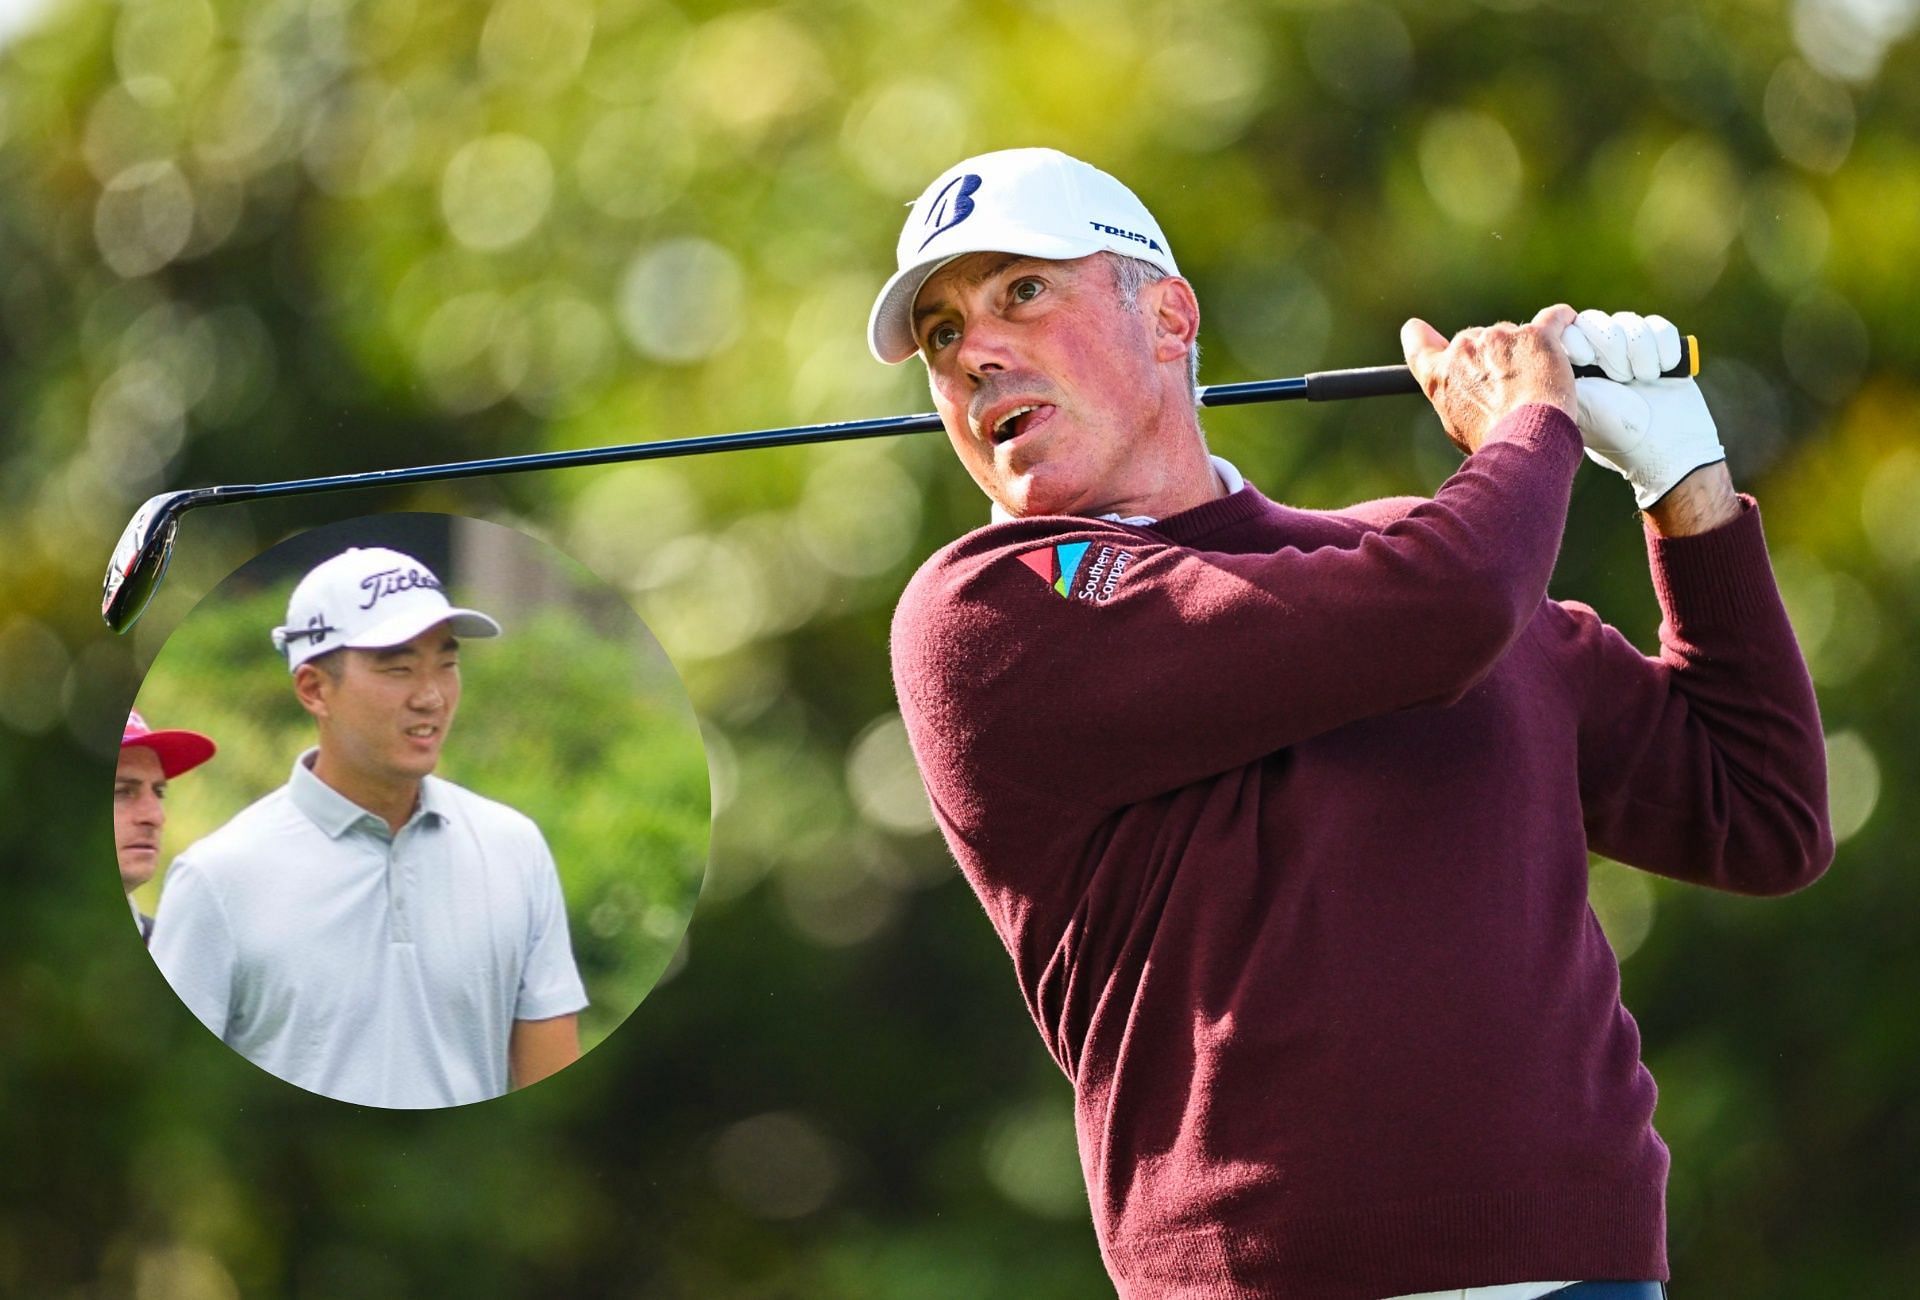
(370,931)
(1284,815)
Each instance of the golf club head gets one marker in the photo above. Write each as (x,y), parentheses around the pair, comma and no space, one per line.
(140,560)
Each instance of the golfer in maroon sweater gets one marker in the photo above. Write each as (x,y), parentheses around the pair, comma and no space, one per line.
(1283,815)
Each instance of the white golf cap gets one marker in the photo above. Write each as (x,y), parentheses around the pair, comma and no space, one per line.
(1034,202)
(369,598)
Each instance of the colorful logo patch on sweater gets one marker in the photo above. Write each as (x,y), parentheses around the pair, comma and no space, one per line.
(1057,565)
(1065,569)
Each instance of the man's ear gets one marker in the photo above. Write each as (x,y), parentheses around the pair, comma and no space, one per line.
(312,686)
(1175,312)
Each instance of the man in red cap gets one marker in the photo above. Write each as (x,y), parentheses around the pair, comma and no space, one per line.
(148,760)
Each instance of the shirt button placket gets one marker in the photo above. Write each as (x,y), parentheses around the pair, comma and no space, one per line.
(398,888)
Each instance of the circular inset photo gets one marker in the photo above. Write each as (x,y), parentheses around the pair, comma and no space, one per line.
(412,810)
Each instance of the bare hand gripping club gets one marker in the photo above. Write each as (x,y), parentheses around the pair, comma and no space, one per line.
(140,560)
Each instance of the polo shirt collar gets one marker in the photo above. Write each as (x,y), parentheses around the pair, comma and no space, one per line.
(336,814)
(434,801)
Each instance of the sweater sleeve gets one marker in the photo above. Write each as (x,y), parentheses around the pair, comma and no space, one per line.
(1100,665)
(1706,763)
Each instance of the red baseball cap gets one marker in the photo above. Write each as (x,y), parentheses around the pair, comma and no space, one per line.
(179,751)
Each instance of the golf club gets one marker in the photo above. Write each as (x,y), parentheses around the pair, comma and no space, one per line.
(140,560)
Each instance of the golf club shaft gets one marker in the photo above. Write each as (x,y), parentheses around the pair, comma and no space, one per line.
(1379,381)
(140,560)
(1375,381)
(1321,386)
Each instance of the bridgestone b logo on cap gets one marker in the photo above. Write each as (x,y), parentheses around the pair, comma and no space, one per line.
(962,206)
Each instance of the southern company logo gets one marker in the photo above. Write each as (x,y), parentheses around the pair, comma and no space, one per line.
(1057,565)
(1060,567)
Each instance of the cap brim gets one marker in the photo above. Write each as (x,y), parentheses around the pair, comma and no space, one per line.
(890,323)
(402,629)
(178,751)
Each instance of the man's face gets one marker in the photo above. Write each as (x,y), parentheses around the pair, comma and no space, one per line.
(1001,333)
(138,815)
(388,713)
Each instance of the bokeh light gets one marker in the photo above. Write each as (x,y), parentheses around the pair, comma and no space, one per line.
(1786,230)
(859,511)
(145,218)
(747,71)
(1031,1157)
(1624,902)
(1849,39)
(1209,75)
(1853,776)
(884,781)
(683,300)
(904,133)
(605,162)
(1688,217)
(496,191)
(536,46)
(1888,512)
(777,1166)
(1825,343)
(1471,165)
(1810,118)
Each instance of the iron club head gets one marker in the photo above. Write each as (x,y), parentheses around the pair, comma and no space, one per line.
(140,560)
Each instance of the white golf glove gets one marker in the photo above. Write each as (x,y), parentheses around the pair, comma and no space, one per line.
(1650,430)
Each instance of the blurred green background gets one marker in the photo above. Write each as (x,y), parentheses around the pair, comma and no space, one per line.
(257,240)
(573,716)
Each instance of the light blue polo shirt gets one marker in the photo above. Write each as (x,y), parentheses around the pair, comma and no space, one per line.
(375,967)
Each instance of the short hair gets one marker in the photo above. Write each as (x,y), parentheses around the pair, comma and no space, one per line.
(1129,275)
(333,663)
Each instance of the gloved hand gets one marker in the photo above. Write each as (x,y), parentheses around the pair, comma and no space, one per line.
(1650,430)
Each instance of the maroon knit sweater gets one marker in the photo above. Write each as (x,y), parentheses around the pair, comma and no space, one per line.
(1283,817)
